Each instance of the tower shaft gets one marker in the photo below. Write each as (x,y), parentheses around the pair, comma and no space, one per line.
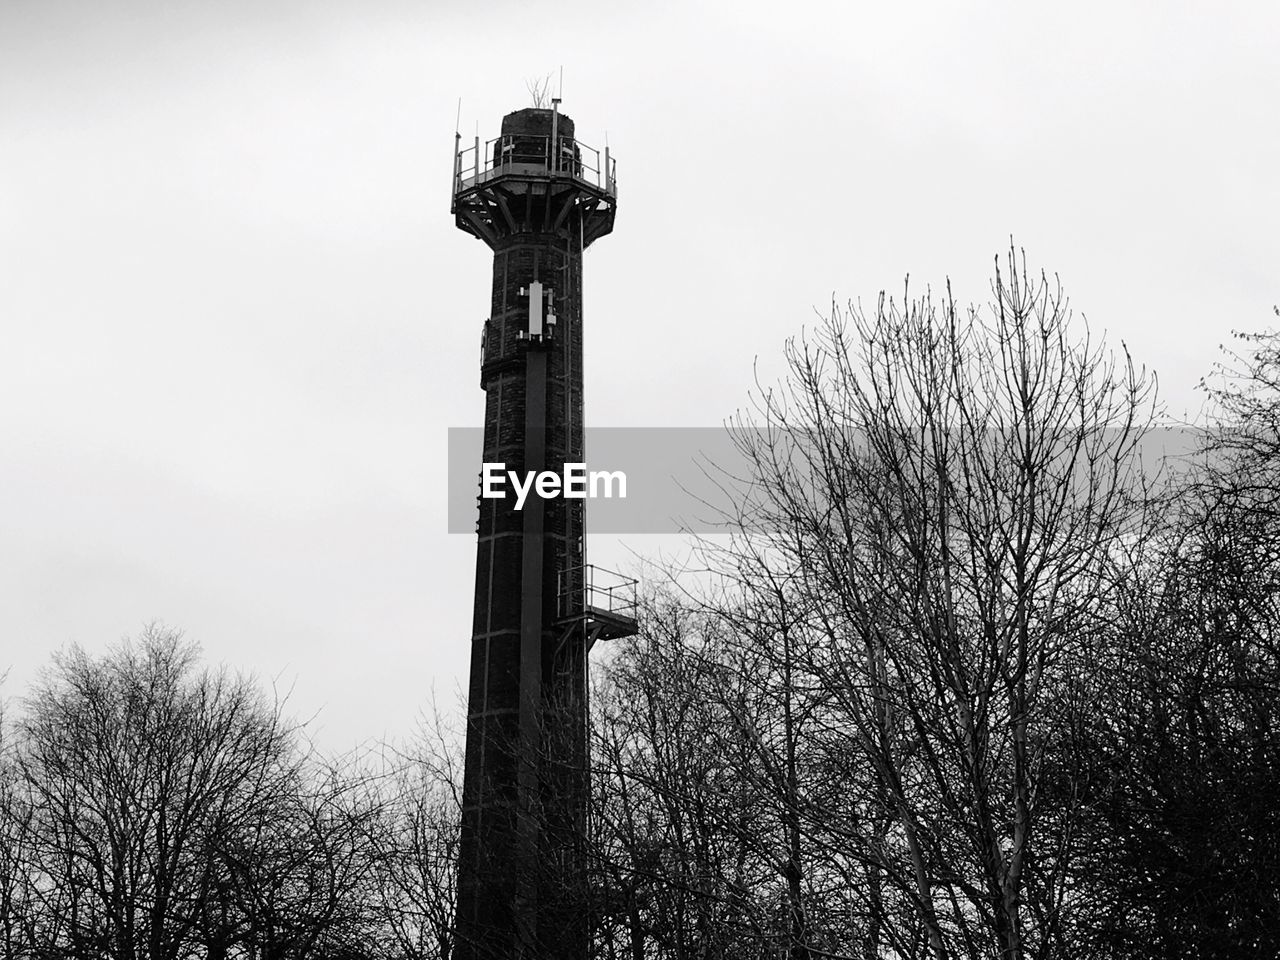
(519,685)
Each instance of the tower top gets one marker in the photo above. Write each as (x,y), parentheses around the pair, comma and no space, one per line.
(536,177)
(537,122)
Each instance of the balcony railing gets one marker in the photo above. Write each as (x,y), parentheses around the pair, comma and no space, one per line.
(533,156)
(593,591)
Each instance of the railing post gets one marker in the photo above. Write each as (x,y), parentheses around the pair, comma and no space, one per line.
(608,180)
(457,169)
(553,148)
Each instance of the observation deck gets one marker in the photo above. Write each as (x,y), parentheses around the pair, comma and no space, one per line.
(534,178)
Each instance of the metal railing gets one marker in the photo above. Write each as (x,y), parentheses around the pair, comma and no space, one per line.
(592,589)
(532,155)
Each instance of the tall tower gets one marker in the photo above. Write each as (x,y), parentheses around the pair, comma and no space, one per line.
(538,198)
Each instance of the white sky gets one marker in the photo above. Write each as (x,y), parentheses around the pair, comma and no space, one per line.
(236,319)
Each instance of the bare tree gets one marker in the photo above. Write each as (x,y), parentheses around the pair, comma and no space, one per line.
(689,858)
(135,765)
(936,497)
(164,811)
(540,91)
(416,846)
(297,879)
(1185,743)
(17,881)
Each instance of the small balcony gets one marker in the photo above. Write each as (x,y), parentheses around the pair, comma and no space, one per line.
(603,600)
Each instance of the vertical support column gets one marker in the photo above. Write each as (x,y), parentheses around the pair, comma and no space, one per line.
(531,628)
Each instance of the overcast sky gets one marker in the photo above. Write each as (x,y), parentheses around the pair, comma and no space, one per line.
(237,319)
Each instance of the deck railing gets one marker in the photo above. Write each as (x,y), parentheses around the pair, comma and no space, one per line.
(530,155)
(592,589)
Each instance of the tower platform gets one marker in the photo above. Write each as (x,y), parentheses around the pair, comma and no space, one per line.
(603,602)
